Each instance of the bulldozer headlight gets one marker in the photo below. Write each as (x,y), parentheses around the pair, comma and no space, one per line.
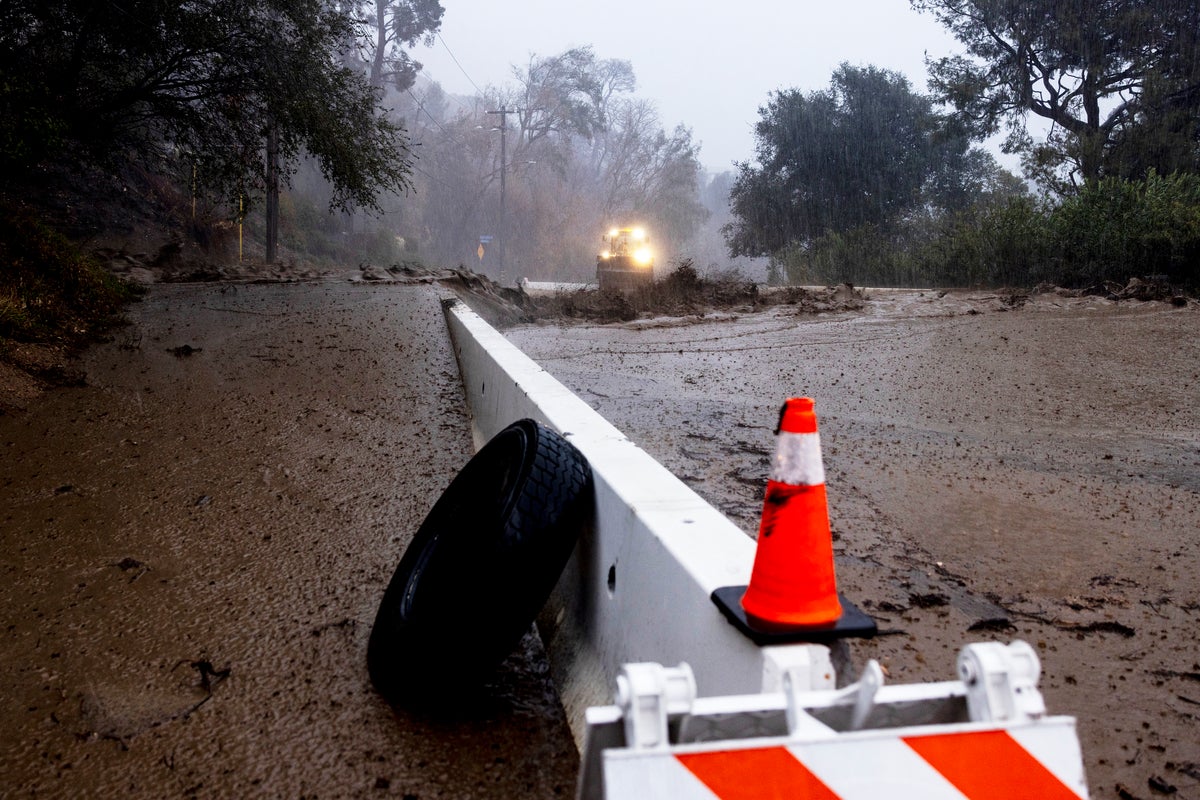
(642,256)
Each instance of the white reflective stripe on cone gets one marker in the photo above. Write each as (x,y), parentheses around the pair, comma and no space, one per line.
(797,459)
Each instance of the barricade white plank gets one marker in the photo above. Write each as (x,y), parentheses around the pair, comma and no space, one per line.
(1059,753)
(639,585)
(968,761)
(875,768)
(654,777)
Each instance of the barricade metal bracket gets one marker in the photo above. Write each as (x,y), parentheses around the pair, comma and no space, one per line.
(1001,681)
(648,695)
(986,735)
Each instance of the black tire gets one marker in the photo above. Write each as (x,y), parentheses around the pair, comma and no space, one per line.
(481,565)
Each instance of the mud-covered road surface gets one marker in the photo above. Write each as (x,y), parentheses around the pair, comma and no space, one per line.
(996,470)
(193,546)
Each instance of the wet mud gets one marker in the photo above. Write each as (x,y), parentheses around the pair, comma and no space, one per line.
(194,543)
(995,469)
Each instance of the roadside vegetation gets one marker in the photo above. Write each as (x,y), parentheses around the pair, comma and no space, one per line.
(872,182)
(188,137)
(151,134)
(1109,231)
(52,291)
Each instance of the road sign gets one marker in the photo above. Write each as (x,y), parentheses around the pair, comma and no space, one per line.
(485,239)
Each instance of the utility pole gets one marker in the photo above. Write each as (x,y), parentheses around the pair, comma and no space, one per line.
(503,112)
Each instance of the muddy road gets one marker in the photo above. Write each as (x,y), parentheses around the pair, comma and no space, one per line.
(995,471)
(192,548)
(193,545)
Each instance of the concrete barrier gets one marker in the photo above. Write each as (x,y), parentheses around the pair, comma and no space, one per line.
(638,586)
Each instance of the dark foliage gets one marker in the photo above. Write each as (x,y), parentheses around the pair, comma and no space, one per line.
(867,151)
(177,86)
(1112,231)
(49,289)
(1120,80)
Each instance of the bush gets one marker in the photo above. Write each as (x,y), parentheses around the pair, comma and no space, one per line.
(49,289)
(1112,231)
(1003,245)
(864,256)
(1117,229)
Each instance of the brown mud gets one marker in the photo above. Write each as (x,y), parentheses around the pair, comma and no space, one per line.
(194,543)
(999,467)
(193,538)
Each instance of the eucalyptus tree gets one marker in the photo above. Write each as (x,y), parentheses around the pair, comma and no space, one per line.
(392,27)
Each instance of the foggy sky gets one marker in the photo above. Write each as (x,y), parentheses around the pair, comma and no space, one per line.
(709,66)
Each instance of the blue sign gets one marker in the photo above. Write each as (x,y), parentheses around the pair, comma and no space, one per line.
(485,239)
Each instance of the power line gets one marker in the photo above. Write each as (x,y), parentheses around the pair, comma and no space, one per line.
(432,118)
(460,66)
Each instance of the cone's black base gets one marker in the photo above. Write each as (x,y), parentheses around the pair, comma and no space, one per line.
(852,623)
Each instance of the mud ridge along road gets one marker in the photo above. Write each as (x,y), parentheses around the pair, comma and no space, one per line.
(995,469)
(193,544)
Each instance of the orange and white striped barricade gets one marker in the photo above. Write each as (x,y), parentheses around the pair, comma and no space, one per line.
(985,736)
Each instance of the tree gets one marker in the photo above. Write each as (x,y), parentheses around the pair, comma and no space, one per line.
(568,94)
(581,154)
(201,82)
(394,26)
(858,153)
(643,173)
(1119,79)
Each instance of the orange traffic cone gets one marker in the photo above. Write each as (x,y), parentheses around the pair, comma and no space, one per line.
(792,584)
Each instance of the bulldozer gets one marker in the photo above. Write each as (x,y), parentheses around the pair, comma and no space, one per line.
(625,260)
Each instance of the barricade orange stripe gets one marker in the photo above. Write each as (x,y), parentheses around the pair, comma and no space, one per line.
(989,765)
(765,773)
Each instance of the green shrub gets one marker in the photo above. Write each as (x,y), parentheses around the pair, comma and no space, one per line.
(49,289)
(1003,245)
(1112,230)
(864,256)
(1116,229)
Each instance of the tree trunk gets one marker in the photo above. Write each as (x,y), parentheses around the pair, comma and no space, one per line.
(272,192)
(381,42)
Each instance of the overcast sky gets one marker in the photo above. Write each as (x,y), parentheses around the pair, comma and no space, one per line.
(706,65)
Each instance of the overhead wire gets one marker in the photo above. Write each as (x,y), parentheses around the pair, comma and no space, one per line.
(432,118)
(454,58)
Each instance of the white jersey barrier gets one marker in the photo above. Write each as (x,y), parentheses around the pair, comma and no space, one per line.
(638,593)
(638,587)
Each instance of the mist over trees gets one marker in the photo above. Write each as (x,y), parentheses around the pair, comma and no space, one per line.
(393,26)
(580,152)
(862,165)
(865,151)
(867,179)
